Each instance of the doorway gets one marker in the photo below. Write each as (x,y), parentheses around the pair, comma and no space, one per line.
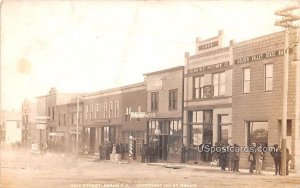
(163,147)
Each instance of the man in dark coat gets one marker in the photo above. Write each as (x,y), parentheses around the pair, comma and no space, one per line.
(144,153)
(183,153)
(276,154)
(252,158)
(236,158)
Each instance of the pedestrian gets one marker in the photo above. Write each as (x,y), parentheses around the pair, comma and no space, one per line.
(144,153)
(259,156)
(236,158)
(230,159)
(288,158)
(118,149)
(183,153)
(223,157)
(276,154)
(251,158)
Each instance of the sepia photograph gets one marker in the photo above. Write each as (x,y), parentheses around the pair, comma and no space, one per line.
(149,93)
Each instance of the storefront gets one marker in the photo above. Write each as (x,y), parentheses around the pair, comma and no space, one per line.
(166,137)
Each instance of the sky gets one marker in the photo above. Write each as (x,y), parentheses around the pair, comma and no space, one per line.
(87,46)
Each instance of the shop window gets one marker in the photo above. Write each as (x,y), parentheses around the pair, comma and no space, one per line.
(154,101)
(173,99)
(198,85)
(246,80)
(200,127)
(269,77)
(257,132)
(219,84)
(223,124)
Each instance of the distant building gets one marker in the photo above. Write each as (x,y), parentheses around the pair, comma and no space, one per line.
(29,122)
(12,127)
(47,107)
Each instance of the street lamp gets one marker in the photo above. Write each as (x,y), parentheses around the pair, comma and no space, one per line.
(287,22)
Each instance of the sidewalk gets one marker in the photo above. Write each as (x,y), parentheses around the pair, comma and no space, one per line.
(172,165)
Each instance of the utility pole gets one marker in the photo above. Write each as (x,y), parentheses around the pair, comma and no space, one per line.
(286,22)
(77,126)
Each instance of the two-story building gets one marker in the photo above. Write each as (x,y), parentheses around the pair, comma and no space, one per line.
(106,117)
(164,100)
(257,100)
(208,94)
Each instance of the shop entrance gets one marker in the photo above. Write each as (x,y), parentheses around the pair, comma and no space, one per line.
(163,147)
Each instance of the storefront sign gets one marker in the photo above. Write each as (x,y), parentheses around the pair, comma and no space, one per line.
(198,139)
(56,134)
(209,67)
(142,115)
(102,121)
(155,84)
(208,45)
(258,57)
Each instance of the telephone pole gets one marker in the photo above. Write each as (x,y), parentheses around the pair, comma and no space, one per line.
(286,22)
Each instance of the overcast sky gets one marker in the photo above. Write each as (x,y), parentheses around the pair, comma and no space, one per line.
(85,46)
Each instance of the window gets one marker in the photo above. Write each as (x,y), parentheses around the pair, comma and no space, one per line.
(64,119)
(92,111)
(96,111)
(58,119)
(269,77)
(175,139)
(219,84)
(86,111)
(257,132)
(173,99)
(200,126)
(105,110)
(223,124)
(127,114)
(116,109)
(52,112)
(49,112)
(154,101)
(110,112)
(198,87)
(246,80)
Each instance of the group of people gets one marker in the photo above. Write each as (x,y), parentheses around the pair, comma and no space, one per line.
(228,159)
(149,153)
(257,156)
(106,149)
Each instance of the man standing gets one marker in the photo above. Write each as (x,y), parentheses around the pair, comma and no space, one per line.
(183,153)
(276,154)
(251,158)
(259,155)
(236,158)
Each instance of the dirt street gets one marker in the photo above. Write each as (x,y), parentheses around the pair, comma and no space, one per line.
(22,169)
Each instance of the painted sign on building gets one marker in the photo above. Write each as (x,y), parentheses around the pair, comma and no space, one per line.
(258,57)
(209,67)
(142,115)
(208,45)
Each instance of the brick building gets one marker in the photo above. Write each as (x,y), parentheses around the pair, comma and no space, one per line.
(107,116)
(208,94)
(165,99)
(257,94)
(47,106)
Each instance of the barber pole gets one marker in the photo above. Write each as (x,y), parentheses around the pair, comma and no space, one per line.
(130,149)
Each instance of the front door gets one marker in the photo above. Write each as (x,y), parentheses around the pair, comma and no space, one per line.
(163,147)
(92,140)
